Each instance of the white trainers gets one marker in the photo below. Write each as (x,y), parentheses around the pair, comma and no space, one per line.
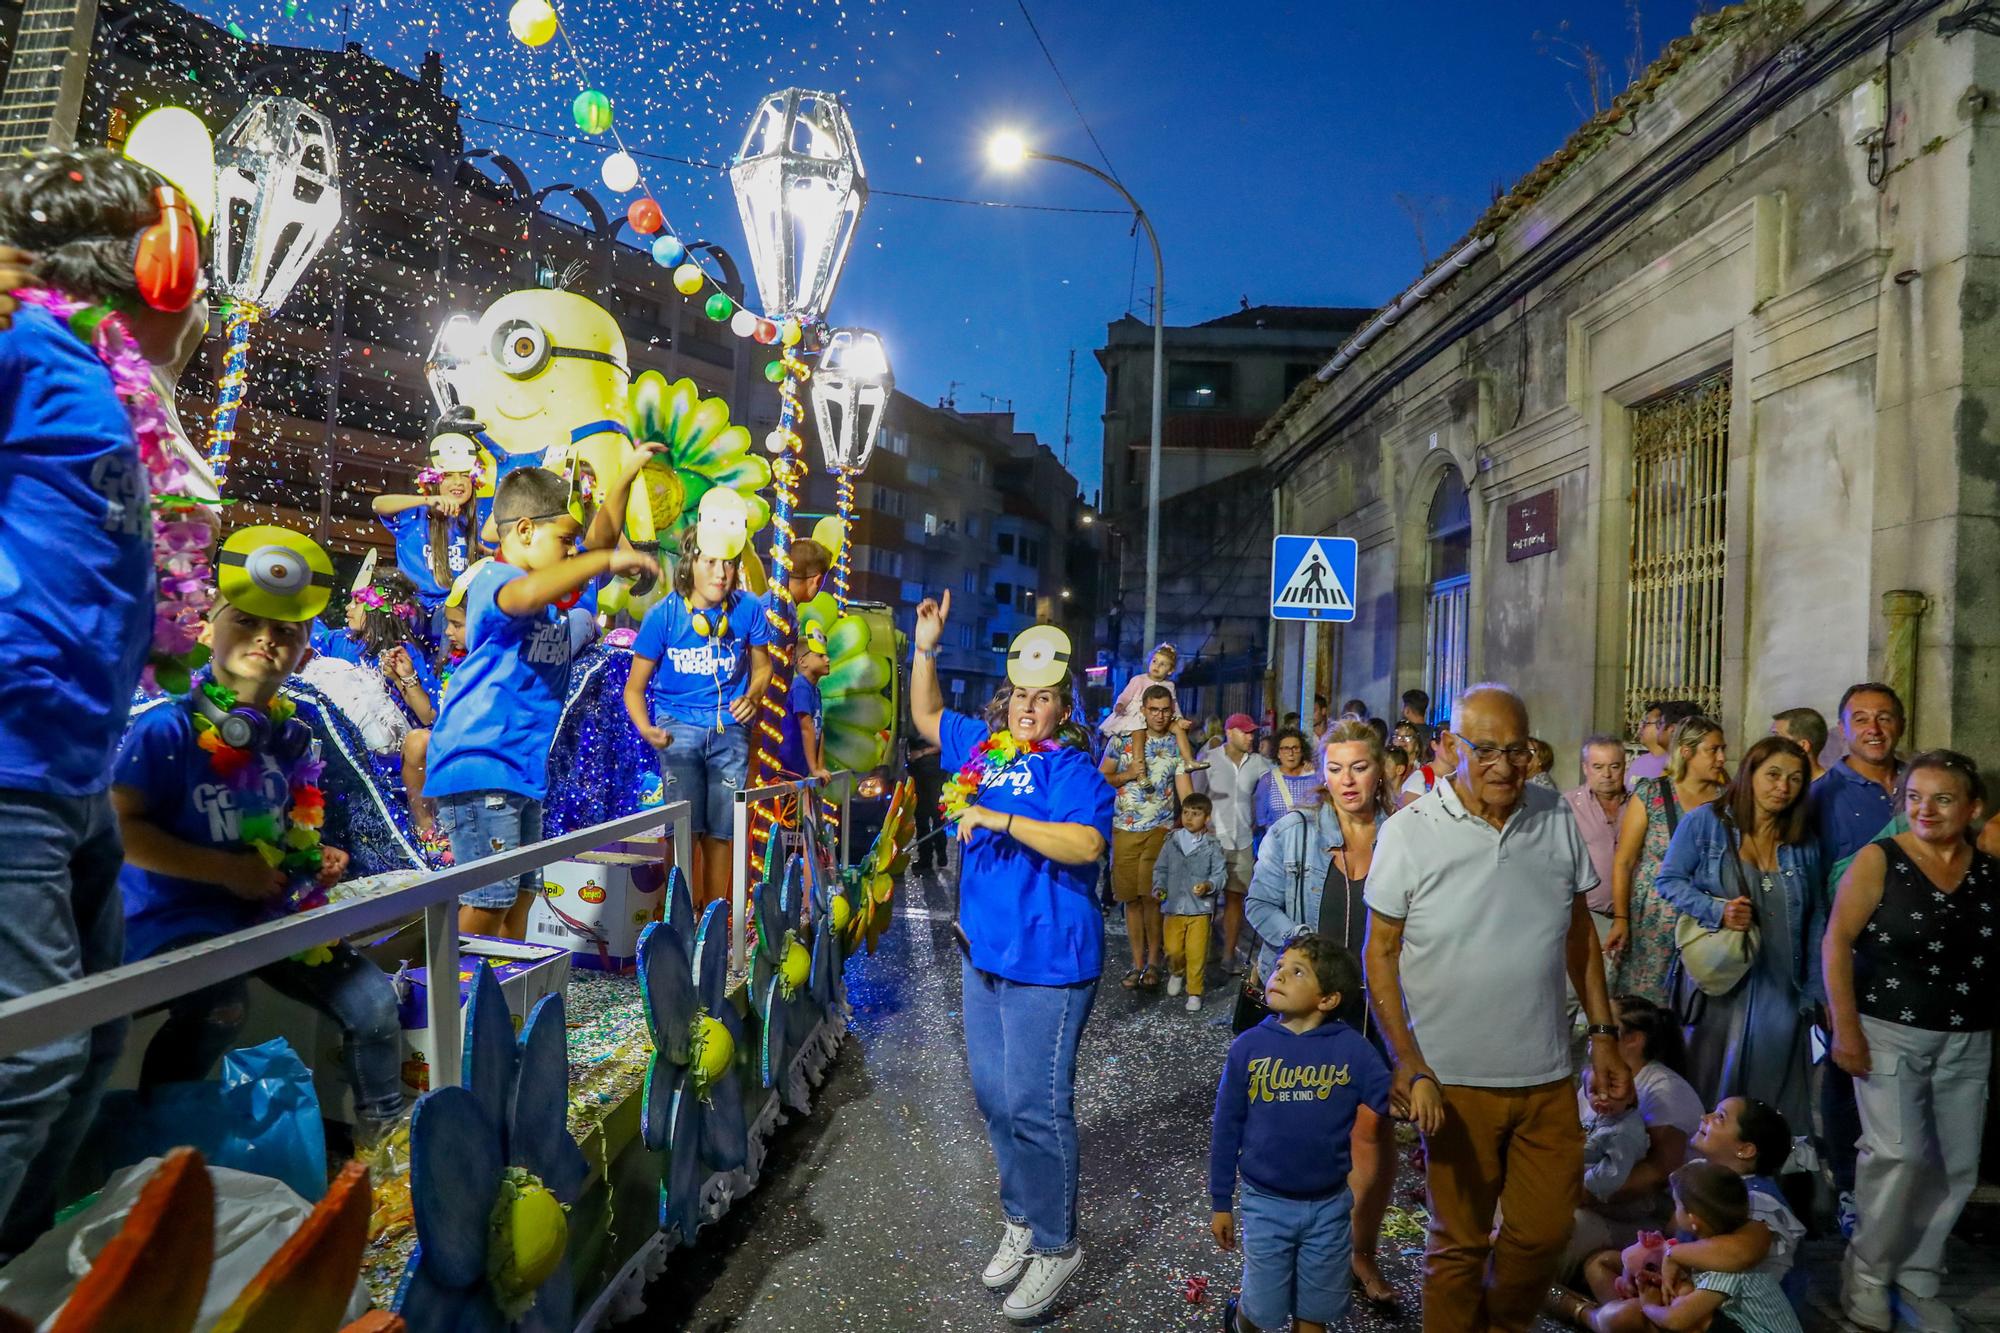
(1045,1279)
(1008,1261)
(1924,1314)
(1174,985)
(1194,1004)
(1865,1303)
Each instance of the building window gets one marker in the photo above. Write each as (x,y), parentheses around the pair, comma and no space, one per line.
(999,640)
(1296,374)
(1673,602)
(1006,543)
(971,583)
(1003,592)
(1024,600)
(888,502)
(1448,604)
(1200,384)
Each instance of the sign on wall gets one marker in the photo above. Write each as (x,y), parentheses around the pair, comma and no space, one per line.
(1312,578)
(1531,526)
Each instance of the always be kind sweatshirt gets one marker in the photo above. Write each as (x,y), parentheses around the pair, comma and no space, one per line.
(1286,1107)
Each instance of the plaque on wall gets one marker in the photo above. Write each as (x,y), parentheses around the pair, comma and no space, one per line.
(1531,526)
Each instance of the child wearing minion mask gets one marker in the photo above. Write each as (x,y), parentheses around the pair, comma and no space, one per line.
(218,801)
(699,666)
(437,529)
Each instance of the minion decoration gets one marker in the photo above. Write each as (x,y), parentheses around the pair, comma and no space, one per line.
(722,525)
(274,573)
(1038,657)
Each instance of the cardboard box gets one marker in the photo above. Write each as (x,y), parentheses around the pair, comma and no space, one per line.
(526,972)
(596,905)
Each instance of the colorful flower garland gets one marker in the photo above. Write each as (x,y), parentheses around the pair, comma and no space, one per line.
(290,845)
(990,758)
(183,523)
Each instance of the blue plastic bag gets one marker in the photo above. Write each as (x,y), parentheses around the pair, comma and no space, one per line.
(262,1117)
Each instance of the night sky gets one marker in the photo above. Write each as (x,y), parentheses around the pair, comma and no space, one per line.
(1289,153)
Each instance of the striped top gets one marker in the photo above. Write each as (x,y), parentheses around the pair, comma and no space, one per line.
(1753,1301)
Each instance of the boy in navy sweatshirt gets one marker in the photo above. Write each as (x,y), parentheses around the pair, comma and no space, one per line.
(1283,1117)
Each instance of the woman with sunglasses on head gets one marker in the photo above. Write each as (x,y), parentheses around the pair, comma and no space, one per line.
(1639,947)
(1033,818)
(1911,1002)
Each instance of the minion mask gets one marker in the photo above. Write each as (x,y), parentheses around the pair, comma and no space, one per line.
(274,573)
(813,641)
(1038,658)
(722,528)
(463,583)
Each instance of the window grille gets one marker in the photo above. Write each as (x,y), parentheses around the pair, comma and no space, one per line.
(1448,604)
(1673,617)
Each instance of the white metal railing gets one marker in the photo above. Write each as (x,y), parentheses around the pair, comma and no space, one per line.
(739,841)
(79,1005)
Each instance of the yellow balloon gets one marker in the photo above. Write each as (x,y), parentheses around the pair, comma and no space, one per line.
(174,142)
(688,279)
(533,1235)
(714,1048)
(840,911)
(532,22)
(797,965)
(830,532)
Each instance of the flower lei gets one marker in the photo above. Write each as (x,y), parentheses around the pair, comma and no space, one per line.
(988,760)
(183,524)
(294,849)
(374,598)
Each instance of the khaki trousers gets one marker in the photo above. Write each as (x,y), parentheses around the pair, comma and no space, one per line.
(1187,949)
(1517,1152)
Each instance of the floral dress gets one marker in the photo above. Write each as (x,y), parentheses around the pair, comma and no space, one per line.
(1649,954)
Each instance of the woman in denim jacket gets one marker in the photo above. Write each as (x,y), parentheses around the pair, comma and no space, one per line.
(1749,857)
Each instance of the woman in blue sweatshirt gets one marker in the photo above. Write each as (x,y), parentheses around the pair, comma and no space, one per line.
(1291,1089)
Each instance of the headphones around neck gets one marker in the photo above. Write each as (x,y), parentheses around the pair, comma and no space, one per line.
(166,257)
(711,624)
(250,729)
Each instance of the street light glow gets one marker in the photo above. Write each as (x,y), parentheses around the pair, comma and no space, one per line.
(1006,149)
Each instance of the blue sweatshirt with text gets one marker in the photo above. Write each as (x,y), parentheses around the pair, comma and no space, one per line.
(1286,1107)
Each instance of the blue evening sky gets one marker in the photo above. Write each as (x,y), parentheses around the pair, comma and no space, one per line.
(1282,148)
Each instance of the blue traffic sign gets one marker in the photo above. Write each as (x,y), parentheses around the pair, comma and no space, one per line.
(1312,578)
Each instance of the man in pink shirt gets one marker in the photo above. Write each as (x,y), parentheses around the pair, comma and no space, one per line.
(1599,807)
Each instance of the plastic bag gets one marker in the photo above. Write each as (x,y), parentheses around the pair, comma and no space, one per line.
(254,1215)
(262,1117)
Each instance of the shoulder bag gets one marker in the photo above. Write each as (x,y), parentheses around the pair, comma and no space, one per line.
(1716,961)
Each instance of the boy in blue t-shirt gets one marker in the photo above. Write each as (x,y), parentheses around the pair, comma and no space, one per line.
(1291,1089)
(206,785)
(699,666)
(489,750)
(76,620)
(803,753)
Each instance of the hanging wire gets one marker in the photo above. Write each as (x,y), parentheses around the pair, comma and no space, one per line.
(1049,55)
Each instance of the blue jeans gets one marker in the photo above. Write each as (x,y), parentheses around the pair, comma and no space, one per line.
(1296,1256)
(1020,1043)
(486,823)
(347,988)
(61,919)
(705,768)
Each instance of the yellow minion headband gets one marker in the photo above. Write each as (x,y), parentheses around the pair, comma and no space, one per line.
(812,641)
(1038,657)
(274,573)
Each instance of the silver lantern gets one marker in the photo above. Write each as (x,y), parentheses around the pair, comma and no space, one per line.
(850,395)
(277,197)
(451,356)
(800,188)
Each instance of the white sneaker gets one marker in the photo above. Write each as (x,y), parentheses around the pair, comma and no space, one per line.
(1174,985)
(1865,1303)
(1045,1279)
(1008,1261)
(1924,1314)
(1194,1004)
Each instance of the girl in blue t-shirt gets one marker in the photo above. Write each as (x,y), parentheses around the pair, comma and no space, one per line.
(1033,828)
(437,529)
(699,666)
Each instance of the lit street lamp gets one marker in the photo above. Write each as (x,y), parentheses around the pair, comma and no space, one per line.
(1009,150)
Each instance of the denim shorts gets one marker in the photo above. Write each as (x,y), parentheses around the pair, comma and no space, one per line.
(486,823)
(705,768)
(1296,1254)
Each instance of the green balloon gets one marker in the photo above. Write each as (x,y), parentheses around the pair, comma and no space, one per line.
(592,111)
(720,307)
(775,371)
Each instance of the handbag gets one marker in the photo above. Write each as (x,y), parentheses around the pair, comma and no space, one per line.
(1716,961)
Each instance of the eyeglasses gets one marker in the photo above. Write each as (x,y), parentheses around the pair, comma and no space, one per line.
(1488,755)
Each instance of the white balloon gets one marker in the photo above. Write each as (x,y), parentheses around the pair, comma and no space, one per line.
(621,173)
(742,323)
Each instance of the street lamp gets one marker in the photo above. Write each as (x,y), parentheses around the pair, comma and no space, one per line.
(1008,150)
(800,188)
(850,392)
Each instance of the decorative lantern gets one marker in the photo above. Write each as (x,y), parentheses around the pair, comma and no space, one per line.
(800,188)
(850,393)
(453,350)
(277,189)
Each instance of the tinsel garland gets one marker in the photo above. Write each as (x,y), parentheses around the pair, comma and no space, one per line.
(237,320)
(787,471)
(989,759)
(844,507)
(183,524)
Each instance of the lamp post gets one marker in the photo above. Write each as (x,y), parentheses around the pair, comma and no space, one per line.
(1009,150)
(850,396)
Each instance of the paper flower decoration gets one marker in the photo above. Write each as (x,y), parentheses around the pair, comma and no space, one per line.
(703,451)
(780,980)
(872,883)
(828,982)
(856,696)
(693,1108)
(493,1172)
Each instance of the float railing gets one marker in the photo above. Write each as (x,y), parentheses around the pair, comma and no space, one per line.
(739,842)
(134,988)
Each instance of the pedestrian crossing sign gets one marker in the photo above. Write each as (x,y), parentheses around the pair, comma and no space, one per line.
(1312,578)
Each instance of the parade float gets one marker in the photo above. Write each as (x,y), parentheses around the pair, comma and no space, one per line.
(608,1108)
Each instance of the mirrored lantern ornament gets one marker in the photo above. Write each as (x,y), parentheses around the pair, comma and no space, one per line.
(850,395)
(800,188)
(277,188)
(450,362)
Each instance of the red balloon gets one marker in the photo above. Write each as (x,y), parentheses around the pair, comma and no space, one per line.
(766,331)
(645,217)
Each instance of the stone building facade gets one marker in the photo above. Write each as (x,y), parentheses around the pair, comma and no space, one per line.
(1709,410)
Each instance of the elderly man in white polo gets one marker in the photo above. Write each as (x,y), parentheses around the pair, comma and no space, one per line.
(1477,913)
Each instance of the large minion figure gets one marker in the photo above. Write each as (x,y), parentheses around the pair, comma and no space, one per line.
(545,374)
